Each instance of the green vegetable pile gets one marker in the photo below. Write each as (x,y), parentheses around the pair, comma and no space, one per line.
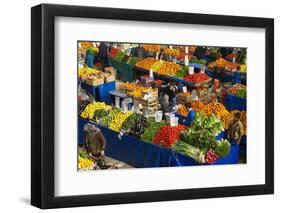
(203,131)
(105,121)
(100,113)
(189,150)
(199,141)
(242,93)
(120,55)
(133,60)
(222,147)
(198,61)
(152,128)
(182,72)
(130,122)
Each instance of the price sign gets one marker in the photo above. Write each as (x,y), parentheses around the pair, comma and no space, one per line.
(203,69)
(157,55)
(120,135)
(190,70)
(151,73)
(117,102)
(186,60)
(171,47)
(186,49)
(184,89)
(128,52)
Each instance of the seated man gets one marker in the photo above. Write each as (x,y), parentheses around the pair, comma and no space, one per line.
(235,130)
(95,142)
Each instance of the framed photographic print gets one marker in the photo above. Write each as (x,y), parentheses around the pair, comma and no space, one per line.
(140,106)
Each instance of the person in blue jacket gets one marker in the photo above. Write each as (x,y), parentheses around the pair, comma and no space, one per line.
(190,113)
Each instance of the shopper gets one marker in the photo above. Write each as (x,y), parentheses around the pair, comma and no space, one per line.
(235,130)
(190,113)
(90,58)
(95,142)
(103,53)
(171,90)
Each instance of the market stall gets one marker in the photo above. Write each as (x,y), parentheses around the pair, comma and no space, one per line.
(160,105)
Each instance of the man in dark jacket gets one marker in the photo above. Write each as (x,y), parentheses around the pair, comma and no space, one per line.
(171,90)
(103,53)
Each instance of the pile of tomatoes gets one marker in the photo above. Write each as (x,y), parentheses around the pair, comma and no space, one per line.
(197,78)
(168,135)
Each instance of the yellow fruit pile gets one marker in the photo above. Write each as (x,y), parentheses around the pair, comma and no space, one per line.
(84,163)
(157,65)
(223,64)
(168,68)
(90,109)
(197,105)
(243,68)
(137,93)
(86,72)
(86,44)
(152,47)
(182,110)
(134,90)
(220,111)
(117,122)
(171,51)
(146,63)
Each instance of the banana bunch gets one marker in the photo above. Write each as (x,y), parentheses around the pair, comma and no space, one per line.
(171,51)
(90,109)
(117,122)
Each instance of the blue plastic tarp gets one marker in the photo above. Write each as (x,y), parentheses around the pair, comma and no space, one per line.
(233,102)
(100,92)
(141,154)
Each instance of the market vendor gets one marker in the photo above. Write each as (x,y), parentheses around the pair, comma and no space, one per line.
(164,103)
(95,142)
(190,112)
(171,91)
(235,130)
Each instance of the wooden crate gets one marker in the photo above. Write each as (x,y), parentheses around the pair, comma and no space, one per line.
(95,81)
(149,103)
(110,78)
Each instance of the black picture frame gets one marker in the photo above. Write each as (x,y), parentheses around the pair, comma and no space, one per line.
(43,102)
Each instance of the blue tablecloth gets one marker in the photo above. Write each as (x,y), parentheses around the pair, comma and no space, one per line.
(142,154)
(100,92)
(233,102)
(235,77)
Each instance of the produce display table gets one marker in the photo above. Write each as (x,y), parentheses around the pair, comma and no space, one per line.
(141,154)
(235,77)
(233,102)
(100,92)
(125,72)
(165,77)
